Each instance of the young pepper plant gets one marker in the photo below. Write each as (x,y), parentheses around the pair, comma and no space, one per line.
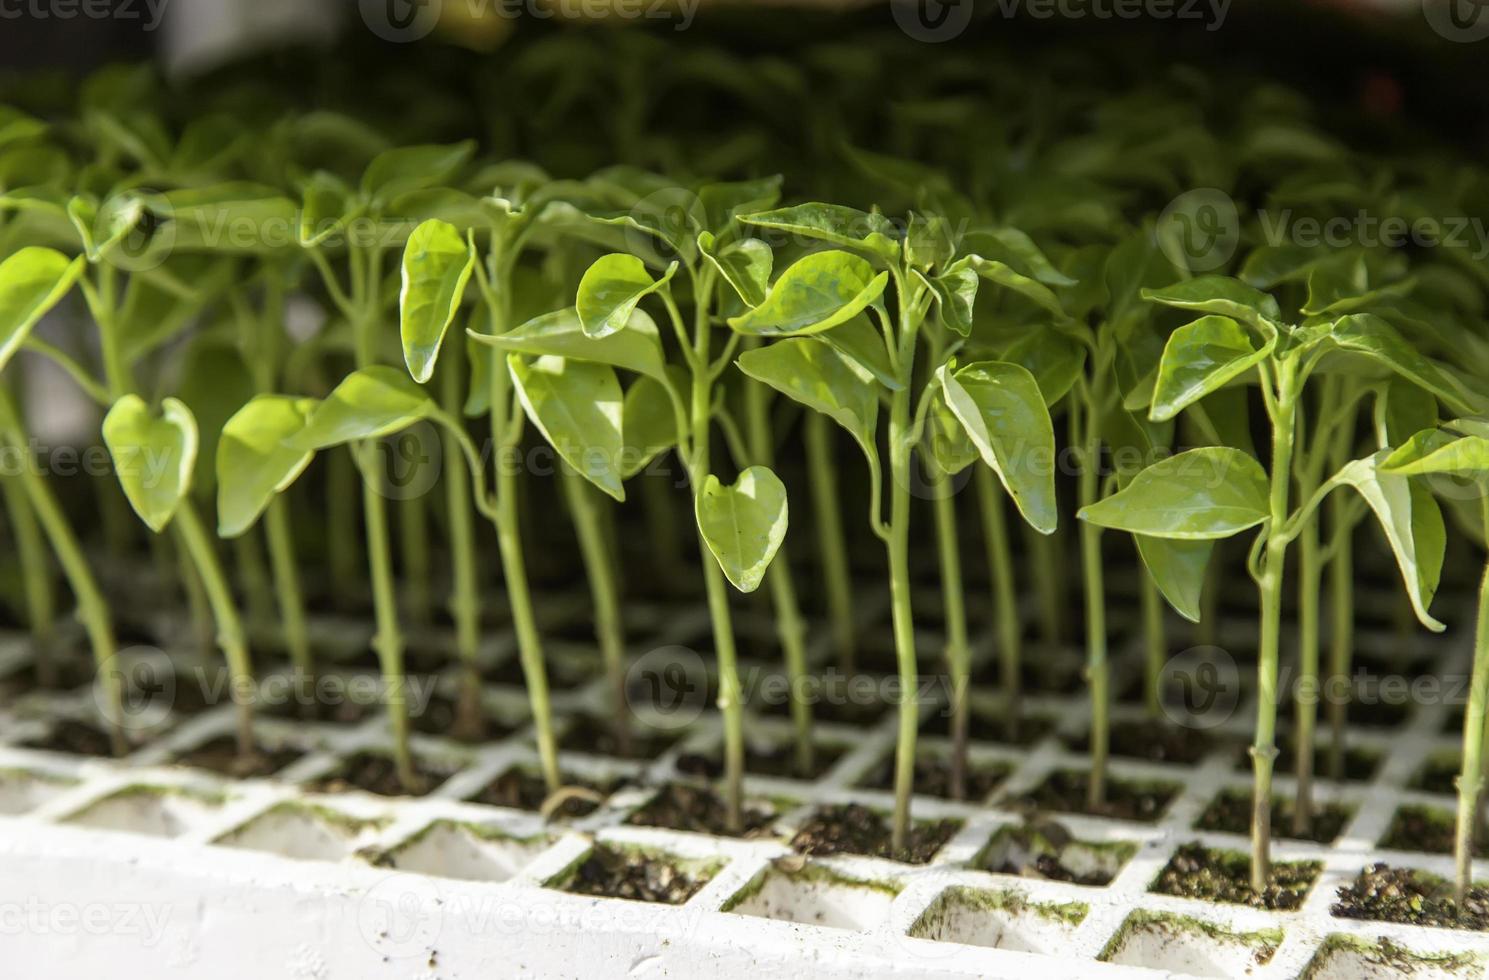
(834,362)
(1215,492)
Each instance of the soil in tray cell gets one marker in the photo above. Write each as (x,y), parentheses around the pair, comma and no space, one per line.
(933,777)
(438,718)
(990,724)
(854,829)
(523,789)
(220,755)
(1427,829)
(73,738)
(1230,813)
(778,761)
(700,810)
(1065,791)
(1200,872)
(1360,763)
(1046,850)
(1439,774)
(837,698)
(1153,741)
(372,772)
(1385,894)
(611,872)
(596,736)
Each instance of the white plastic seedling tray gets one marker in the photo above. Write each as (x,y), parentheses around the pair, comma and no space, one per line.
(141,868)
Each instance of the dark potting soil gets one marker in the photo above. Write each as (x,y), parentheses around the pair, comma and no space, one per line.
(1427,829)
(1065,791)
(73,738)
(1230,813)
(1377,712)
(854,829)
(522,789)
(700,810)
(1385,894)
(562,675)
(1050,675)
(992,726)
(1360,763)
(1034,850)
(1199,872)
(1439,774)
(778,761)
(373,772)
(597,736)
(611,872)
(840,699)
(61,674)
(438,718)
(1152,740)
(933,777)
(220,755)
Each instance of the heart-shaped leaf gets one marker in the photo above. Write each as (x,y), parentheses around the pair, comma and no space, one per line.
(813,373)
(814,294)
(437,266)
(610,290)
(1199,358)
(370,403)
(1004,413)
(32,281)
(153,455)
(577,407)
(1198,495)
(637,348)
(956,295)
(743,524)
(1178,569)
(253,462)
(744,265)
(648,423)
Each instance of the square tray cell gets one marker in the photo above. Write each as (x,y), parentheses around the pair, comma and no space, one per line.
(156,811)
(1343,957)
(22,790)
(469,852)
(793,890)
(1000,920)
(299,831)
(1183,945)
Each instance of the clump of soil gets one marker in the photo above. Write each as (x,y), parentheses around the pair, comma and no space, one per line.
(1424,828)
(1385,894)
(1439,774)
(1230,813)
(521,789)
(221,756)
(1199,872)
(933,777)
(598,737)
(373,772)
(1066,791)
(1154,741)
(611,872)
(438,718)
(1046,850)
(854,829)
(992,727)
(73,738)
(700,810)
(778,761)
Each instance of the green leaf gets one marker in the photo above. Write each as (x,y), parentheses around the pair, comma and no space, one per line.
(253,462)
(1412,523)
(1003,410)
(1434,452)
(1017,250)
(32,281)
(215,383)
(1198,495)
(860,342)
(743,524)
(234,218)
(1178,569)
(1222,296)
(326,208)
(817,293)
(153,455)
(956,293)
(833,223)
(1004,275)
(1364,333)
(437,266)
(610,290)
(744,265)
(103,227)
(410,168)
(1054,358)
(577,407)
(817,376)
(1403,410)
(370,403)
(1199,358)
(947,447)
(637,348)
(648,423)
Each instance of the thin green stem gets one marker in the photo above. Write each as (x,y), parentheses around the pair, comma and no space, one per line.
(36,573)
(1310,581)
(464,601)
(1470,776)
(1155,645)
(958,651)
(832,548)
(1097,669)
(413,544)
(902,613)
(1005,601)
(583,500)
(290,598)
